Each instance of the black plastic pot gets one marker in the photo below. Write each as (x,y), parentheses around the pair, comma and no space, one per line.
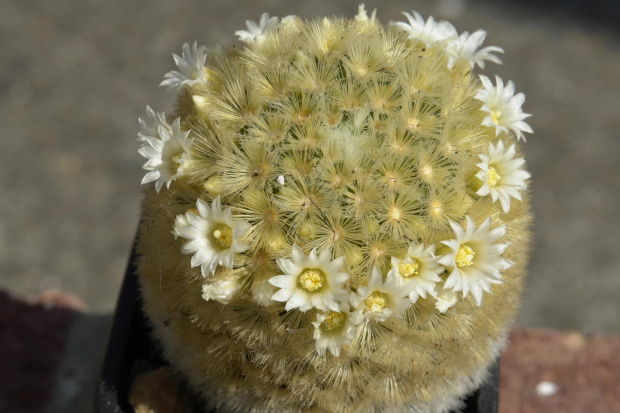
(131,350)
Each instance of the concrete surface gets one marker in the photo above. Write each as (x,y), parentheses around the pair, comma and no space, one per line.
(550,371)
(76,75)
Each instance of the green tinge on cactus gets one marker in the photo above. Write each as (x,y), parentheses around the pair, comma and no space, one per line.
(329,236)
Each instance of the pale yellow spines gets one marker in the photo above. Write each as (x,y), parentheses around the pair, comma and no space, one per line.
(354,140)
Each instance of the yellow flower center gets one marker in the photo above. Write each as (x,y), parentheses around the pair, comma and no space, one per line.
(176,161)
(311,279)
(495,115)
(333,321)
(465,256)
(376,302)
(407,270)
(223,236)
(197,73)
(493,177)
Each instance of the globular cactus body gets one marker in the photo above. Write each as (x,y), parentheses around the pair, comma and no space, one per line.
(344,223)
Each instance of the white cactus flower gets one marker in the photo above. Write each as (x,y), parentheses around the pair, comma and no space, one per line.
(220,290)
(475,260)
(445,298)
(149,126)
(335,329)
(503,107)
(214,237)
(466,48)
(501,174)
(310,282)
(419,270)
(166,153)
(427,32)
(257,32)
(191,65)
(379,300)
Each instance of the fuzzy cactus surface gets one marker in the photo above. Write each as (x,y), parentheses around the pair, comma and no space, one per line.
(336,216)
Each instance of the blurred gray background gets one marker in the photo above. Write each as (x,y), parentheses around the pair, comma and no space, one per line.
(76,75)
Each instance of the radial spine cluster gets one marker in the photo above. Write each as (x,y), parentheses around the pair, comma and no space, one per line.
(323,233)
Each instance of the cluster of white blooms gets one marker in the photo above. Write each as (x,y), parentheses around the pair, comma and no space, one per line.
(473,263)
(446,272)
(502,106)
(459,48)
(317,282)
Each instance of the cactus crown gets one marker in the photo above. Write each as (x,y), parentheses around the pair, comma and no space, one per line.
(332,186)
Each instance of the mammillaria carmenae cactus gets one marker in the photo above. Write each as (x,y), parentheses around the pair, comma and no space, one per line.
(329,236)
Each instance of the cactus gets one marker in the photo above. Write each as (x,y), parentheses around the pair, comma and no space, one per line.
(345,219)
